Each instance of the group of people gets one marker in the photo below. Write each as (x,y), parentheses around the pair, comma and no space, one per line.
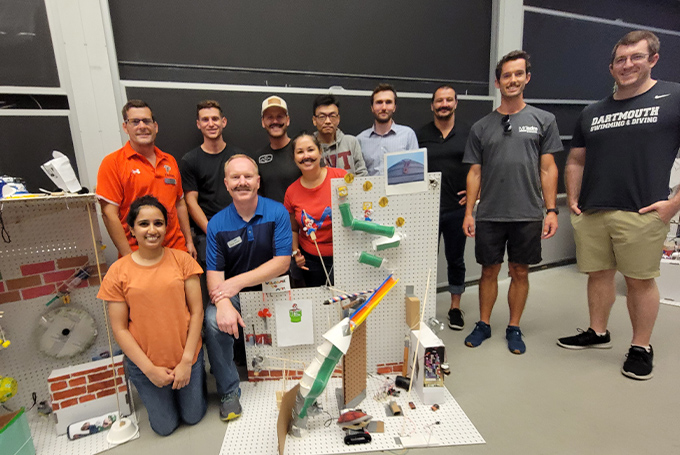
(248,217)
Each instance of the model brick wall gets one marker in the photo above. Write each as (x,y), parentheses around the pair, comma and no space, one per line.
(83,383)
(43,278)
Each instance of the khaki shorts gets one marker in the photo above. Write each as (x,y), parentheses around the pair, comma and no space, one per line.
(614,239)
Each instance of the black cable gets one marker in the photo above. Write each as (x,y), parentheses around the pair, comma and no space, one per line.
(5,234)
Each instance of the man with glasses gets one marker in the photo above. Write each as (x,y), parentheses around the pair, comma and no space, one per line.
(138,169)
(277,167)
(385,135)
(617,177)
(511,156)
(340,150)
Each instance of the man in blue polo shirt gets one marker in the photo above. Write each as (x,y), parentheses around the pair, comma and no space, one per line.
(248,242)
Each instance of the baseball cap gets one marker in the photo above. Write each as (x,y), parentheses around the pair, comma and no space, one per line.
(274,101)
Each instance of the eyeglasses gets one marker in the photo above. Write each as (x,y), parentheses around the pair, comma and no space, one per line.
(507,126)
(137,121)
(634,59)
(322,117)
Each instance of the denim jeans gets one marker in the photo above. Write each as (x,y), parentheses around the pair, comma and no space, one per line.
(221,350)
(451,227)
(167,406)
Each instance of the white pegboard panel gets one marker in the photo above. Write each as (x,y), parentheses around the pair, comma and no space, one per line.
(410,261)
(325,316)
(47,442)
(255,430)
(44,229)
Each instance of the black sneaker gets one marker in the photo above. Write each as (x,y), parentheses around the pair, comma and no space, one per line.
(639,363)
(456,321)
(586,340)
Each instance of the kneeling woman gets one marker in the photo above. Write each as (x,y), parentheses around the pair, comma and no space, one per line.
(308,200)
(156,312)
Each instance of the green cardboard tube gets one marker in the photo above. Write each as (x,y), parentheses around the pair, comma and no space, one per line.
(373,228)
(346,214)
(369,259)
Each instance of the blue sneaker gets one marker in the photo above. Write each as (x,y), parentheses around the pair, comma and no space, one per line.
(514,336)
(481,332)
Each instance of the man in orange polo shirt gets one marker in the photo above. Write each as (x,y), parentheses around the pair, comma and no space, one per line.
(137,169)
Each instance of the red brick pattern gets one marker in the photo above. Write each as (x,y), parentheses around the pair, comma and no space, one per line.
(85,385)
(39,279)
(275,375)
(389,368)
(34,269)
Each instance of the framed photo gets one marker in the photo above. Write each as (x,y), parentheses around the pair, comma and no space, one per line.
(406,172)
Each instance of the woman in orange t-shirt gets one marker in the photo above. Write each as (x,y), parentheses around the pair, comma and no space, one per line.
(308,200)
(156,312)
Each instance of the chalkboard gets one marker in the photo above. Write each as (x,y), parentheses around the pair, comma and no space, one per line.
(26,44)
(658,13)
(28,142)
(354,43)
(571,57)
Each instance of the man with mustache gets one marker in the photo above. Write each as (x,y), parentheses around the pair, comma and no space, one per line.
(340,150)
(617,177)
(511,156)
(277,167)
(385,135)
(445,139)
(248,242)
(138,169)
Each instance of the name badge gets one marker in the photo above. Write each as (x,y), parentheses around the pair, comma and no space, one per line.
(233,242)
(170,181)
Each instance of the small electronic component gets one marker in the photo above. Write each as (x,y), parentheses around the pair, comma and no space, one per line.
(395,409)
(435,407)
(411,405)
(358,438)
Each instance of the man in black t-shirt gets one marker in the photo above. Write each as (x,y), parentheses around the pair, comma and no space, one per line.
(277,167)
(202,171)
(445,139)
(617,177)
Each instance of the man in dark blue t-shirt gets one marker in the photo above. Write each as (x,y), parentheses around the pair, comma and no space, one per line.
(248,242)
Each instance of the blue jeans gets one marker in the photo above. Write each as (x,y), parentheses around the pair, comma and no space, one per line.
(221,350)
(167,406)
(451,227)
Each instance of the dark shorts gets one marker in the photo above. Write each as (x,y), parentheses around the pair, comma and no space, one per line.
(523,239)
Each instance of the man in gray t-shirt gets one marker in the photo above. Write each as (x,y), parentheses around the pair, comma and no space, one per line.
(510,152)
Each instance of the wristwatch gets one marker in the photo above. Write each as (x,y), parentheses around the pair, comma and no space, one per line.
(555,210)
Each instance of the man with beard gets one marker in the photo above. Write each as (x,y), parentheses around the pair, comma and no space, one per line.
(340,150)
(617,178)
(247,243)
(385,135)
(138,169)
(277,167)
(445,139)
(511,153)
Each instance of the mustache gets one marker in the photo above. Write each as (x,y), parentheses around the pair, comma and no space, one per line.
(444,109)
(275,125)
(242,187)
(307,160)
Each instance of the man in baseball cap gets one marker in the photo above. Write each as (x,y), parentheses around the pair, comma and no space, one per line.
(275,160)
